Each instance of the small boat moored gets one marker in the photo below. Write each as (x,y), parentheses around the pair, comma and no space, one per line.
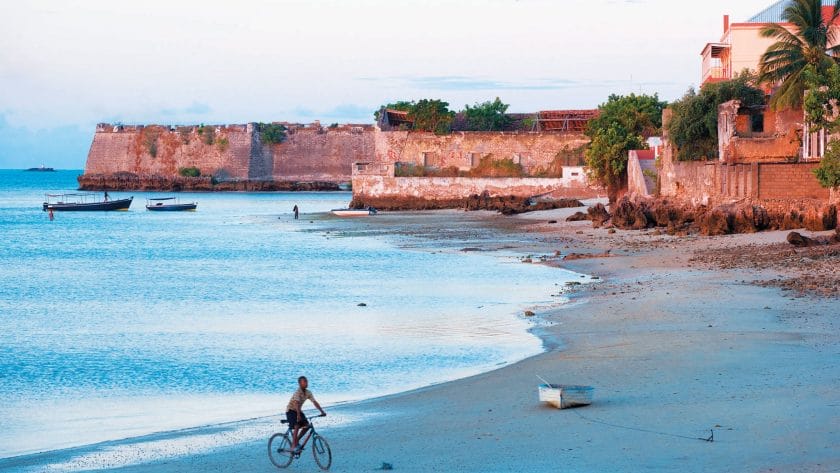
(169,204)
(89,202)
(354,212)
(565,396)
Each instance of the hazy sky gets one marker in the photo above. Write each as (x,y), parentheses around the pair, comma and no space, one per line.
(66,65)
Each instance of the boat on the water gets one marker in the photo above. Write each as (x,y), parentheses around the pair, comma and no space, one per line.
(79,202)
(169,204)
(40,168)
(354,212)
(564,396)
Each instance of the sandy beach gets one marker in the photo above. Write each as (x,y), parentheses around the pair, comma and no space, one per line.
(675,345)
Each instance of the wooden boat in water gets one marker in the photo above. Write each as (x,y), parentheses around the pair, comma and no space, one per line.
(169,204)
(354,212)
(565,396)
(84,202)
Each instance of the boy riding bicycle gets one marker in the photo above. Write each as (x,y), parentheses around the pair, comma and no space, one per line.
(294,414)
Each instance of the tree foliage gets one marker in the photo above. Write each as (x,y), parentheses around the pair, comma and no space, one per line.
(828,172)
(272,132)
(431,115)
(785,61)
(487,116)
(694,121)
(623,124)
(822,98)
(822,111)
(190,171)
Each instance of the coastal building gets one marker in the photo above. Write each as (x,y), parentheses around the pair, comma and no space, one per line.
(741,45)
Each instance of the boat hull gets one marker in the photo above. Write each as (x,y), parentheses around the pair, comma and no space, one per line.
(566,396)
(119,204)
(352,213)
(172,208)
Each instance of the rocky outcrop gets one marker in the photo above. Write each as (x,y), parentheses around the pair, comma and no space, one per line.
(742,217)
(598,214)
(128,181)
(507,205)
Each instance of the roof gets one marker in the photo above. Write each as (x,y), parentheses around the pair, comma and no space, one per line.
(565,120)
(644,154)
(773,13)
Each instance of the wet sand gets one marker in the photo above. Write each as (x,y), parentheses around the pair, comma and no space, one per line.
(675,349)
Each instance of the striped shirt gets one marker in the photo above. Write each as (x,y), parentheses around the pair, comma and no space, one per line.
(298,398)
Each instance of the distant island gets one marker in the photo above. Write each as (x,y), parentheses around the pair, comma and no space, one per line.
(41,168)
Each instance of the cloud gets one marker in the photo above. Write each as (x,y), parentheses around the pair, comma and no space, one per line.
(464,83)
(196,108)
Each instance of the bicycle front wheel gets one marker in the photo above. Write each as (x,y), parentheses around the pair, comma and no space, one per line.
(321,451)
(279,450)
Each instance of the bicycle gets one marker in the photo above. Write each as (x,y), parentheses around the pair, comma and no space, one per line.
(281,454)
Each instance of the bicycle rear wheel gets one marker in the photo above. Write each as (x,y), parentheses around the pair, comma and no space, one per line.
(279,450)
(321,452)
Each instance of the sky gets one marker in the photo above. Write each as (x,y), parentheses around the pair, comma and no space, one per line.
(66,65)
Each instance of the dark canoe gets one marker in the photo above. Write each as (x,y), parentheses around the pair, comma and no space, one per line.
(171,207)
(119,204)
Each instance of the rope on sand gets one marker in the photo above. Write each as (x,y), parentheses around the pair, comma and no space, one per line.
(710,438)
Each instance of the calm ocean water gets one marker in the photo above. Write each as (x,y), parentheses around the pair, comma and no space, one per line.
(126,323)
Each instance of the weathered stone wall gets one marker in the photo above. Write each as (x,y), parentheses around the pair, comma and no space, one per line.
(638,183)
(322,154)
(712,183)
(779,141)
(310,153)
(535,151)
(129,149)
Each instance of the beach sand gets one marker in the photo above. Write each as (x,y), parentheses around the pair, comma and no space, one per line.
(674,348)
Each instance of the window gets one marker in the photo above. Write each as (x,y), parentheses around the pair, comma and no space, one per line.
(757,123)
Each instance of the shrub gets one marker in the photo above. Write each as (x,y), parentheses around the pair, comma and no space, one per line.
(223,144)
(272,133)
(487,116)
(207,134)
(694,122)
(489,167)
(828,172)
(190,171)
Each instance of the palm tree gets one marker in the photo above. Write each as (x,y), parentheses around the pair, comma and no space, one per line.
(812,42)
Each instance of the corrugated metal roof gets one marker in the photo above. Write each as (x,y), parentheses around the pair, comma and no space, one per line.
(773,13)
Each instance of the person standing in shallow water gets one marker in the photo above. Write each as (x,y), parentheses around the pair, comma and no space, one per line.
(296,211)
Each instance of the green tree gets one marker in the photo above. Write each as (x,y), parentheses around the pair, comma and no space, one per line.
(694,120)
(822,111)
(623,124)
(828,172)
(487,116)
(272,132)
(822,98)
(432,115)
(784,63)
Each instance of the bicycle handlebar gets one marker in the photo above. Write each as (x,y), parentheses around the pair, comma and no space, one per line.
(284,421)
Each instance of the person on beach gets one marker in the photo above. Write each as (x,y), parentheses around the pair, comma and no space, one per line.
(294,414)
(296,211)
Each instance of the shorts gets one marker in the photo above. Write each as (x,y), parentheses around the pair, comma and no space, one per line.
(292,419)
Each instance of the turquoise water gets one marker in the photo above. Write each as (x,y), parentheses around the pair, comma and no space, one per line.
(124,323)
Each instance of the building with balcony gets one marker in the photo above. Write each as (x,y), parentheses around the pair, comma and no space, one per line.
(741,45)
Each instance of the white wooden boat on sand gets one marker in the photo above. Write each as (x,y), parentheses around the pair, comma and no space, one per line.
(564,396)
(354,212)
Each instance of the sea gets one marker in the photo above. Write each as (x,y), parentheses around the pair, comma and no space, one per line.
(121,324)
